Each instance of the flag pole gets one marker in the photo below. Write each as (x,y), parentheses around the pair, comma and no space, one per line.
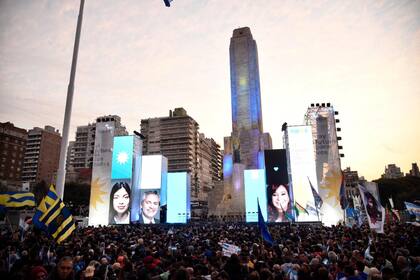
(61,173)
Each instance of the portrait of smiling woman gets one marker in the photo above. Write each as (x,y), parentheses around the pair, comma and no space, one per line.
(278,203)
(119,208)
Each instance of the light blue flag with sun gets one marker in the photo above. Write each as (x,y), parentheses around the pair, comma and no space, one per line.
(122,157)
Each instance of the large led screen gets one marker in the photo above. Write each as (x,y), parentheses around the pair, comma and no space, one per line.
(120,202)
(122,157)
(101,174)
(303,171)
(177,197)
(279,194)
(255,192)
(153,166)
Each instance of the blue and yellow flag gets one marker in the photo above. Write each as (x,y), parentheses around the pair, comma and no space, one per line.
(17,199)
(53,217)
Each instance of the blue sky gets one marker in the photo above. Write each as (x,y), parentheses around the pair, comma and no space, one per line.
(139,59)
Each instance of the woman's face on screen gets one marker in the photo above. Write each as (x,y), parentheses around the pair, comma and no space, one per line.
(281,198)
(121,200)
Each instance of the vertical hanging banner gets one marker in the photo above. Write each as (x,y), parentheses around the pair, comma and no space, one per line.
(374,210)
(101,174)
(303,170)
(136,178)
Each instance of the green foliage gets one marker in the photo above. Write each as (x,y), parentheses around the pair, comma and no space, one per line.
(77,193)
(401,189)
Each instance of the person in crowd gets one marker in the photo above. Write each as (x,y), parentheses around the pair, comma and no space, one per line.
(279,208)
(64,270)
(193,251)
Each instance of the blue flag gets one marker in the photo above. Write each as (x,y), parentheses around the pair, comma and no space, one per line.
(167,3)
(263,227)
(343,198)
(53,217)
(317,198)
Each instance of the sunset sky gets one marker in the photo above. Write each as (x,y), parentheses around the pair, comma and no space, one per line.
(139,59)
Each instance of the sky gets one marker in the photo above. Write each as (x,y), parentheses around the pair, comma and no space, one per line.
(139,59)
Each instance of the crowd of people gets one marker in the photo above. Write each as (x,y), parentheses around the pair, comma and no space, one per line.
(194,251)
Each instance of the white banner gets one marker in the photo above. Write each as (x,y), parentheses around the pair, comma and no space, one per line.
(101,174)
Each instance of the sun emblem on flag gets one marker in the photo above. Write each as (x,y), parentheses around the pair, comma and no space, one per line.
(96,193)
(122,157)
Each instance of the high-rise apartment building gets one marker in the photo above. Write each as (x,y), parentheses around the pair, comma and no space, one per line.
(81,154)
(414,171)
(42,155)
(177,138)
(210,159)
(351,179)
(12,151)
(392,172)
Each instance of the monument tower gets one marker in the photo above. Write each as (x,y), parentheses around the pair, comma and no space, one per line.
(244,149)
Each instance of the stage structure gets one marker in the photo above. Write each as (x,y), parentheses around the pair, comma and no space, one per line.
(327,157)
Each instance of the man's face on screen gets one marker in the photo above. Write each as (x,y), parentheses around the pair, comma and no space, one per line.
(150,205)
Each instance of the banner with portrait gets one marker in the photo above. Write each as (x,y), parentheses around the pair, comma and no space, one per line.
(374,210)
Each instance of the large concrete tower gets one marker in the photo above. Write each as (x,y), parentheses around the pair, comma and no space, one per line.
(244,149)
(247,127)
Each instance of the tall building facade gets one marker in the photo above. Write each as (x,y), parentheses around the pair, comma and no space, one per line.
(12,151)
(351,179)
(42,155)
(177,138)
(80,153)
(414,171)
(244,148)
(392,172)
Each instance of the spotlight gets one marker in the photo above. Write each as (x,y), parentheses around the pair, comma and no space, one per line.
(139,135)
(341,155)
(337,120)
(328,104)
(338,137)
(284,126)
(323,104)
(338,129)
(317,104)
(336,113)
(312,105)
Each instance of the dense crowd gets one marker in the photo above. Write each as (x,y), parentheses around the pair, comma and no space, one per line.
(194,251)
